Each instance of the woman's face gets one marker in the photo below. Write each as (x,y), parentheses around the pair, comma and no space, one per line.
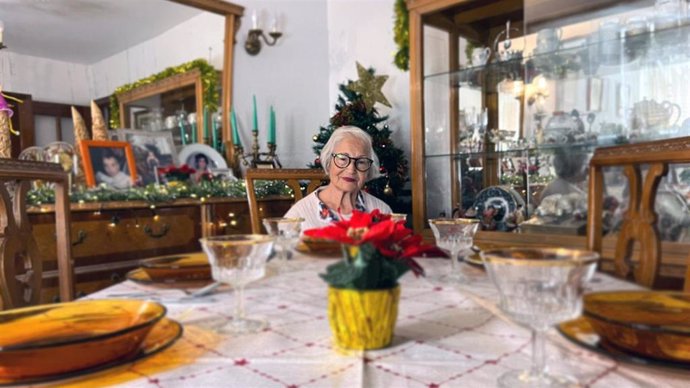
(111,166)
(201,164)
(348,179)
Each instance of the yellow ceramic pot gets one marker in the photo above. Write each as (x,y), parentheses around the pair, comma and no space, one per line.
(363,320)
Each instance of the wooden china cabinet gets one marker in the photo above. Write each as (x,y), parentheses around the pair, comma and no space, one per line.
(509,99)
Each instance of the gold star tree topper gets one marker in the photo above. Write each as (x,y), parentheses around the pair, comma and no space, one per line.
(369,86)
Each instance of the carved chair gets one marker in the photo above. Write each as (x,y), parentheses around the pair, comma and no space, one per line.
(292,178)
(639,220)
(21,268)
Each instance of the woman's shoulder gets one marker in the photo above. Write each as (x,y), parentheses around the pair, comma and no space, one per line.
(373,202)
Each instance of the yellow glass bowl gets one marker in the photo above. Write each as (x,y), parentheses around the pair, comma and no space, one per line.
(648,323)
(60,338)
(193,266)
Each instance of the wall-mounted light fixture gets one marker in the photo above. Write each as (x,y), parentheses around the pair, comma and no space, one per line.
(2,29)
(255,34)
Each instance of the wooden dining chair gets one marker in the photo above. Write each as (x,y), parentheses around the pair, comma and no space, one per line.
(21,267)
(292,178)
(639,220)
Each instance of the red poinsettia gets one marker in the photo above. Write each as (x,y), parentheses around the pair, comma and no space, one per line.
(391,239)
(174,170)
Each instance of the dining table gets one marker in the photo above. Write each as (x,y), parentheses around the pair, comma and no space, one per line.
(447,335)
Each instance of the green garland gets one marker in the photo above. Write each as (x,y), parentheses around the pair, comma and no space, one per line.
(209,82)
(160,193)
(401,31)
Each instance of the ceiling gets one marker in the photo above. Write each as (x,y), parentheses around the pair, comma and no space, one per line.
(85,31)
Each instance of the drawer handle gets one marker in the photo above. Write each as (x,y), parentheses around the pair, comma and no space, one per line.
(81,237)
(164,230)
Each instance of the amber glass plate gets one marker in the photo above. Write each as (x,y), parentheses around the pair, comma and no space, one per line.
(580,332)
(46,340)
(193,266)
(163,334)
(319,247)
(140,276)
(649,323)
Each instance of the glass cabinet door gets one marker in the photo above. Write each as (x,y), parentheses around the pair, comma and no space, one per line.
(516,97)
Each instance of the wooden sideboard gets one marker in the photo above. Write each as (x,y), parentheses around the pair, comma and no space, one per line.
(109,239)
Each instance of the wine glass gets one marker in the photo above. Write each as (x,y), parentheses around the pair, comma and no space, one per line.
(286,232)
(539,288)
(238,260)
(454,235)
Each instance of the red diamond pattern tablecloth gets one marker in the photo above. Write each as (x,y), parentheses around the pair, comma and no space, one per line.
(446,336)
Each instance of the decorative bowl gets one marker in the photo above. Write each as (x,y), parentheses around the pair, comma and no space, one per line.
(319,246)
(65,337)
(193,266)
(648,323)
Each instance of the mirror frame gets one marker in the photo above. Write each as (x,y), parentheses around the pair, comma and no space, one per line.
(192,77)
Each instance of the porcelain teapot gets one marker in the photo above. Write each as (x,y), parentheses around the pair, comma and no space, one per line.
(648,114)
(564,128)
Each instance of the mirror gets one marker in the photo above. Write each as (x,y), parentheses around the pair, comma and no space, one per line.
(172,104)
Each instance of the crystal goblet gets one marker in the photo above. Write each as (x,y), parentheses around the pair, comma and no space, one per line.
(286,232)
(538,289)
(454,235)
(238,260)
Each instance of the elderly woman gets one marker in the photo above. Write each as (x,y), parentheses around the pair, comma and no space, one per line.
(349,161)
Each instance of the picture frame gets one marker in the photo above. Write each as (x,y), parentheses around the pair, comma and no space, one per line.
(152,150)
(108,162)
(142,120)
(201,158)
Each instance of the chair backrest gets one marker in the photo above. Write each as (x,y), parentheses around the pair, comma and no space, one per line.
(291,176)
(21,269)
(639,221)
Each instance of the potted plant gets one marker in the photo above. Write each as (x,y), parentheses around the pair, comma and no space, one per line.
(363,291)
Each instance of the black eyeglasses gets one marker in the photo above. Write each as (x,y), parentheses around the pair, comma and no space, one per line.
(344,160)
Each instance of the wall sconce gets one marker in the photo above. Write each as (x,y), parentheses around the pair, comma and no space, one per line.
(253,42)
(2,29)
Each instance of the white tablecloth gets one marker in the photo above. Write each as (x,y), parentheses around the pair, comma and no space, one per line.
(446,336)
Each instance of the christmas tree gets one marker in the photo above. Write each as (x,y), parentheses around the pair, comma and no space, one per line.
(355,106)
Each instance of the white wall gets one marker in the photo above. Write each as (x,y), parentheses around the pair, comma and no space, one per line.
(45,79)
(299,76)
(362,31)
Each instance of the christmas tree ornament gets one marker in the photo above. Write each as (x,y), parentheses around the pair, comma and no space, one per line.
(388,190)
(98,128)
(369,86)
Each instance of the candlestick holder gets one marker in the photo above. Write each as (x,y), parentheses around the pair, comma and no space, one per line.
(256,158)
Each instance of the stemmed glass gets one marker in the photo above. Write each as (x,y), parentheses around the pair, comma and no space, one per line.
(238,260)
(539,288)
(286,232)
(454,235)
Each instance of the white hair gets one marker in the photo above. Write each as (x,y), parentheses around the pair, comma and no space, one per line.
(353,133)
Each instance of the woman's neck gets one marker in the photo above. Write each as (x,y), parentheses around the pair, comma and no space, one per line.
(339,201)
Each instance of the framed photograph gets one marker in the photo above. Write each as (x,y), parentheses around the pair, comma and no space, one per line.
(142,120)
(152,150)
(202,158)
(108,162)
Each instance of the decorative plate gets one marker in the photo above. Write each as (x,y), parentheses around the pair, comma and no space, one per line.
(163,334)
(581,332)
(41,341)
(189,153)
(503,199)
(319,247)
(652,324)
(140,276)
(193,266)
